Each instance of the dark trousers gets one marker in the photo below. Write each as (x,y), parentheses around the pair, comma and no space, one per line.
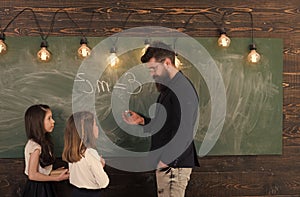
(83,192)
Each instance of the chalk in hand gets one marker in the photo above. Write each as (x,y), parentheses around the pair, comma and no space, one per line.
(128,113)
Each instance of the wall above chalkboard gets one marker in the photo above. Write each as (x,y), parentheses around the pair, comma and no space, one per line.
(253,123)
(84,50)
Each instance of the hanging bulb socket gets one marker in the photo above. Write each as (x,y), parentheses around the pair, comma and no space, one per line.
(83,40)
(147,42)
(224,40)
(83,51)
(44,43)
(43,54)
(113,50)
(253,56)
(3,46)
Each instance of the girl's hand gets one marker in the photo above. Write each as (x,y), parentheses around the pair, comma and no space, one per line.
(60,174)
(57,171)
(64,175)
(132,118)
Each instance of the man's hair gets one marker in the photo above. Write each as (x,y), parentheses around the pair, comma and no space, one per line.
(160,51)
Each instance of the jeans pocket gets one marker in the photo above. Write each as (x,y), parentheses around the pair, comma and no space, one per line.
(166,169)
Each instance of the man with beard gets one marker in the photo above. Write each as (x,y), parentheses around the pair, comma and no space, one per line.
(172,128)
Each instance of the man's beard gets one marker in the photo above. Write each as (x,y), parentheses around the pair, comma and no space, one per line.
(161,82)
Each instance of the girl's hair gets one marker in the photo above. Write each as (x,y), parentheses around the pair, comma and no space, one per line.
(78,136)
(35,130)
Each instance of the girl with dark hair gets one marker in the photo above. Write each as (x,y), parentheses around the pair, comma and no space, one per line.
(85,165)
(38,153)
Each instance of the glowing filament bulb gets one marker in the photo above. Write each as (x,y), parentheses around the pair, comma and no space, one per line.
(223,40)
(83,51)
(113,58)
(43,54)
(145,49)
(253,56)
(147,44)
(3,47)
(177,61)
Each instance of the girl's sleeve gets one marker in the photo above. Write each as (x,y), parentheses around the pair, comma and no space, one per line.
(33,146)
(97,169)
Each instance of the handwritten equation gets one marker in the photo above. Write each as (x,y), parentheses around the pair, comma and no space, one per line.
(129,84)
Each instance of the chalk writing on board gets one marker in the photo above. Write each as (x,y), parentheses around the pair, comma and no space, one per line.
(101,86)
(129,83)
(80,79)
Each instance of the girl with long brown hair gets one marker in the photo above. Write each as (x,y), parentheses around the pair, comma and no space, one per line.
(85,165)
(39,157)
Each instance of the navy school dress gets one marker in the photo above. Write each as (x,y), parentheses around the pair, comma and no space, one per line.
(39,189)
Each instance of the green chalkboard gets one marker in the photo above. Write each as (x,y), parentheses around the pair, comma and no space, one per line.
(253,123)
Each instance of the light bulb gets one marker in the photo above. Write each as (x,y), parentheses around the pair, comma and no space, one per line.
(44,55)
(3,47)
(113,58)
(147,44)
(83,51)
(177,61)
(253,56)
(224,41)
(145,49)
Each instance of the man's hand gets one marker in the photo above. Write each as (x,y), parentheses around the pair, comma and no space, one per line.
(161,165)
(132,118)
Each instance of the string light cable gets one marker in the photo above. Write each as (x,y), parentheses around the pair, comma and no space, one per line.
(253,56)
(84,50)
(224,40)
(3,46)
(113,59)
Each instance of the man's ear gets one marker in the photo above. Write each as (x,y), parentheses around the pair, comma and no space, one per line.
(167,62)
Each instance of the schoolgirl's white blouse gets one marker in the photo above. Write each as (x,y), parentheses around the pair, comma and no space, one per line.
(30,147)
(88,172)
